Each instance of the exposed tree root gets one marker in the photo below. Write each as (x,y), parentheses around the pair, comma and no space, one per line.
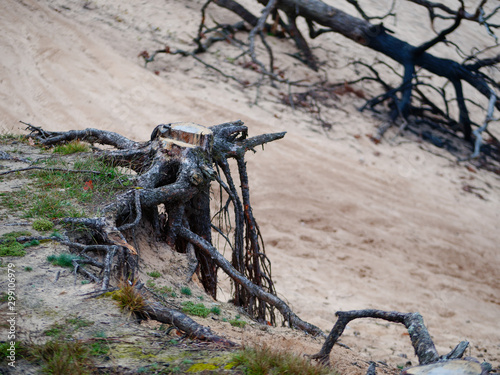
(174,172)
(414,323)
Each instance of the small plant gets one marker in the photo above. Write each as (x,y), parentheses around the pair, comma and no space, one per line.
(99,348)
(215,310)
(154,274)
(49,205)
(186,291)
(4,297)
(85,282)
(238,323)
(198,309)
(56,330)
(100,335)
(5,347)
(28,269)
(43,225)
(63,357)
(62,260)
(265,360)
(128,298)
(71,148)
(78,322)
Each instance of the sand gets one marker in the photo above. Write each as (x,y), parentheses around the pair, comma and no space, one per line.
(347,224)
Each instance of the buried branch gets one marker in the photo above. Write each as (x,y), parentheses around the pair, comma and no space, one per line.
(414,323)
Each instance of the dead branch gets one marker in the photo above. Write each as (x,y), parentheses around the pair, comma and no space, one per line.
(414,323)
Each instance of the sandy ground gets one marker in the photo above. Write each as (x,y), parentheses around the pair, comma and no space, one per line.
(348,224)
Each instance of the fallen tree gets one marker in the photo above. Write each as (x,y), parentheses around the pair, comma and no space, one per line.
(414,97)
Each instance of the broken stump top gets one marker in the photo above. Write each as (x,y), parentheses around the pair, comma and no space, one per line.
(184,135)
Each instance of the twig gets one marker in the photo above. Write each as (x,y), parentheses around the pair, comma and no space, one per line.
(53,170)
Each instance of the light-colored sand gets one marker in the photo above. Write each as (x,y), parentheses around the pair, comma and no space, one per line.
(348,224)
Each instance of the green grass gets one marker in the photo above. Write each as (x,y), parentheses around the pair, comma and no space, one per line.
(154,274)
(238,323)
(166,291)
(56,330)
(52,206)
(265,360)
(62,260)
(56,194)
(5,346)
(198,309)
(71,148)
(99,348)
(215,310)
(66,329)
(63,357)
(186,291)
(78,322)
(4,297)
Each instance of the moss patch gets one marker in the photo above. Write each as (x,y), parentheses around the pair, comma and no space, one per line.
(10,247)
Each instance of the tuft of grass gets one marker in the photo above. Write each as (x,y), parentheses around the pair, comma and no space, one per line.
(52,205)
(78,322)
(5,347)
(43,225)
(99,348)
(265,360)
(128,298)
(62,260)
(215,310)
(186,291)
(71,148)
(56,330)
(28,269)
(154,274)
(238,323)
(66,329)
(198,309)
(63,357)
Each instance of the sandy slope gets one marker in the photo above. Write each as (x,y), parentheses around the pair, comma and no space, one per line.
(348,224)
